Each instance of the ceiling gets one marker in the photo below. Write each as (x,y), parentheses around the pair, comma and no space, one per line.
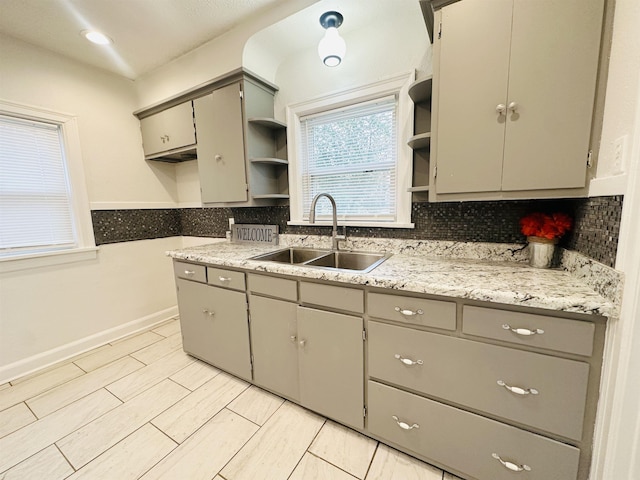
(145,33)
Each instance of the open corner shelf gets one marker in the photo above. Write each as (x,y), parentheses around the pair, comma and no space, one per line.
(421,140)
(271,196)
(420,90)
(269,160)
(422,188)
(267,122)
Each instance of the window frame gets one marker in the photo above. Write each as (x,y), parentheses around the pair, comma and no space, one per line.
(397,85)
(85,248)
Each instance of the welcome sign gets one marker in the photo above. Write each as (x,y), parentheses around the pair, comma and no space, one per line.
(265,234)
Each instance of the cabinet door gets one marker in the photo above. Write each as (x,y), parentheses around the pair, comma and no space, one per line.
(552,80)
(274,345)
(331,365)
(215,326)
(221,155)
(471,82)
(170,129)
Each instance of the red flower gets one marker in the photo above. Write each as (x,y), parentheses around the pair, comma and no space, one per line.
(547,226)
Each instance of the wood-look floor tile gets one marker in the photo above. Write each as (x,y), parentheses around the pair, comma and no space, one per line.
(203,454)
(344,448)
(160,349)
(117,350)
(276,449)
(140,380)
(48,463)
(129,458)
(256,405)
(88,442)
(71,391)
(14,418)
(195,375)
(390,464)
(189,414)
(23,443)
(314,468)
(38,384)
(167,329)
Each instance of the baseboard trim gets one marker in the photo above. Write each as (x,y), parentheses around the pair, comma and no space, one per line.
(50,357)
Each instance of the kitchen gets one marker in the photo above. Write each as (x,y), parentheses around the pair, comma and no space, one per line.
(128,285)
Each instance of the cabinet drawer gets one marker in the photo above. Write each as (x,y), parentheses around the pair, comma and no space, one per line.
(340,298)
(416,311)
(190,271)
(225,278)
(472,373)
(273,286)
(465,441)
(561,334)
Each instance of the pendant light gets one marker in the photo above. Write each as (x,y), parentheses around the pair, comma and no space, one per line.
(332,46)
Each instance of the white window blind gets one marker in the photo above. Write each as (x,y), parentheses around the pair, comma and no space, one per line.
(351,153)
(35,202)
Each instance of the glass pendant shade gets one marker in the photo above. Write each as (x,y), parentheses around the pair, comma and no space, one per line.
(332,48)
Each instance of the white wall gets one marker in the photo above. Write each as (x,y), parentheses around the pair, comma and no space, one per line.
(43,311)
(619,112)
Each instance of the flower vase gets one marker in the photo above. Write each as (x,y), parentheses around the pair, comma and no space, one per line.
(541,251)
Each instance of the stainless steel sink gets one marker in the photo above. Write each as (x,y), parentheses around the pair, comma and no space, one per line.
(334,260)
(358,261)
(293,255)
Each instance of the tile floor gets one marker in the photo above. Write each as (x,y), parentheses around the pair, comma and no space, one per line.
(141,408)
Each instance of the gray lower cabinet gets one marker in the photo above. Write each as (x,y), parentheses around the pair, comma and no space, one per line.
(274,344)
(331,359)
(472,445)
(215,326)
(486,393)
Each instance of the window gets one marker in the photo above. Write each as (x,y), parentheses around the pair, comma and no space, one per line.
(348,145)
(41,207)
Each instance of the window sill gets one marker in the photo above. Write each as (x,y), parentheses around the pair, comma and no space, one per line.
(323,223)
(47,259)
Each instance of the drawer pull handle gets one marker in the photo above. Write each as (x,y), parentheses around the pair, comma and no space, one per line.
(224,279)
(211,314)
(408,313)
(523,331)
(518,390)
(189,273)
(408,361)
(404,425)
(510,465)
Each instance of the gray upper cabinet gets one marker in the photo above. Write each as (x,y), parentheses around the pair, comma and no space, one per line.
(514,89)
(221,165)
(170,134)
(241,148)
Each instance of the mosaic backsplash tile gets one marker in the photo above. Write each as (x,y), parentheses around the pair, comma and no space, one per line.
(595,233)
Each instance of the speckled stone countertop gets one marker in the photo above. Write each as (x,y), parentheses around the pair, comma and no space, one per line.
(450,269)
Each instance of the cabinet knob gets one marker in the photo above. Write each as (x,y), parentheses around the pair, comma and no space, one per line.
(217,158)
(501,108)
(302,343)
(513,107)
(208,312)
(293,338)
(404,425)
(510,465)
(408,313)
(224,279)
(525,332)
(408,361)
(518,390)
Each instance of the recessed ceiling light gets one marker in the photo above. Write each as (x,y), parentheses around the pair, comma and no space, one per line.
(96,37)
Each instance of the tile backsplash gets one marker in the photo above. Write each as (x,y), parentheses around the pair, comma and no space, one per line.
(595,233)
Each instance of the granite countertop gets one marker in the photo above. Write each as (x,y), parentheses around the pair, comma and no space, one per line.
(432,268)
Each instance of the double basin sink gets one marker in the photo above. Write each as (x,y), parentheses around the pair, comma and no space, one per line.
(348,261)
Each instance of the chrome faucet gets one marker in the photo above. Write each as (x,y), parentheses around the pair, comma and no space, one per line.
(334,233)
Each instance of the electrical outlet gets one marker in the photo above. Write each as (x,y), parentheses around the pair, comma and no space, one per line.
(619,152)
